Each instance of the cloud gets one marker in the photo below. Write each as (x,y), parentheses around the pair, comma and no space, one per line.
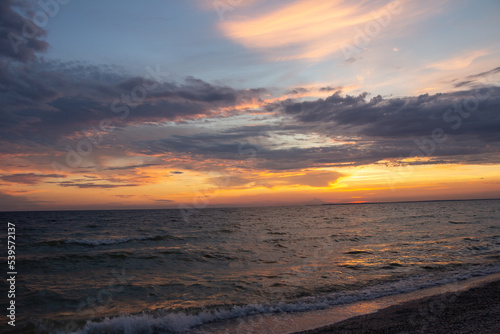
(48,106)
(298,30)
(463,83)
(46,102)
(130,167)
(303,30)
(315,201)
(28,178)
(458,62)
(13,203)
(95,185)
(351,131)
(404,117)
(311,178)
(125,196)
(477,80)
(20,38)
(484,74)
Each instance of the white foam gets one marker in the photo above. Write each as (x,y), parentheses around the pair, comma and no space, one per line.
(180,322)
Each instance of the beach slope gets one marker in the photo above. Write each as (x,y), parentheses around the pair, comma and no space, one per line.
(476,310)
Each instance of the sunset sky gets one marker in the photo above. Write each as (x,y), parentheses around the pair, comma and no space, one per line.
(165,104)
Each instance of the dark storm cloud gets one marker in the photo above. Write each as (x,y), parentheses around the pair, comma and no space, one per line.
(19,36)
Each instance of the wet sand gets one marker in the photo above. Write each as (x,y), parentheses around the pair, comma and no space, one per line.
(475,311)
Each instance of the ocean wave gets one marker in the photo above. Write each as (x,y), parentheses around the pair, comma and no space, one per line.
(184,321)
(112,241)
(72,257)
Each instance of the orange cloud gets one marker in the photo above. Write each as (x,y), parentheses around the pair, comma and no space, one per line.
(458,62)
(310,178)
(301,30)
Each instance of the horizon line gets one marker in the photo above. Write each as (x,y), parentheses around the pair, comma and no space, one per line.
(269,206)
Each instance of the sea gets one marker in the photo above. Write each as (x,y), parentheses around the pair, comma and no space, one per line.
(224,270)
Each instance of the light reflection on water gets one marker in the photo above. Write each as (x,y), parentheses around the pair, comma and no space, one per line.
(227,257)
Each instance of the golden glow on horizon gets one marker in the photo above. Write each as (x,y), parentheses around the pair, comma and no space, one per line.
(315,186)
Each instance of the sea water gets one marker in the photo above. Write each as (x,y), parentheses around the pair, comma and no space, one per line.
(168,271)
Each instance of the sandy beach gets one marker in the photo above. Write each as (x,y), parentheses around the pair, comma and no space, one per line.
(476,310)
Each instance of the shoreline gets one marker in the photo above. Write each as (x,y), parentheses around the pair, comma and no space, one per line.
(317,321)
(475,310)
(468,306)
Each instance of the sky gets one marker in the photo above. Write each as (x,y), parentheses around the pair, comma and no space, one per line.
(220,103)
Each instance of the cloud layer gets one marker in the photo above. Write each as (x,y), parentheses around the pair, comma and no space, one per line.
(107,129)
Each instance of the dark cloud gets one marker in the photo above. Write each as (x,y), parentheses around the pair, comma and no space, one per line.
(473,113)
(45,102)
(130,167)
(13,203)
(28,178)
(463,83)
(352,60)
(176,172)
(48,106)
(20,38)
(95,185)
(373,129)
(474,80)
(298,90)
(483,74)
(330,89)
(315,201)
(233,146)
(302,90)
